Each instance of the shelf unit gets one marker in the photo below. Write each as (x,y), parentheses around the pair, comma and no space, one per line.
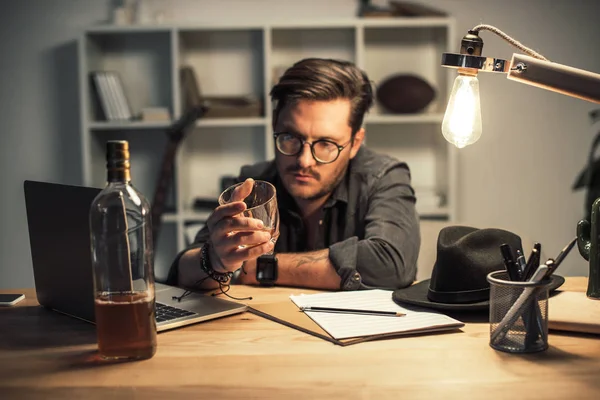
(247,60)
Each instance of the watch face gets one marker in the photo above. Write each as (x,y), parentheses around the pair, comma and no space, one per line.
(265,274)
(266,269)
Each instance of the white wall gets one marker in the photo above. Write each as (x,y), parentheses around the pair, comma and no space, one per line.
(39,124)
(517,176)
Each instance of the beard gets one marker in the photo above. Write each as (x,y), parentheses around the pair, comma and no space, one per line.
(325,186)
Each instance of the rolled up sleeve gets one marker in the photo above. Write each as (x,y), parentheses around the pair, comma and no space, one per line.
(387,255)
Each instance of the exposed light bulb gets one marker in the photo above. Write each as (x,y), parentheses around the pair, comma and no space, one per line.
(462,121)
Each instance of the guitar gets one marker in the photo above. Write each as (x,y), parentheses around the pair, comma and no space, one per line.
(175,135)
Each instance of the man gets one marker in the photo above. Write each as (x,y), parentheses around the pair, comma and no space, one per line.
(347,214)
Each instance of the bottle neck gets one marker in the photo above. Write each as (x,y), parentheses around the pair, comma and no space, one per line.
(115,175)
(118,167)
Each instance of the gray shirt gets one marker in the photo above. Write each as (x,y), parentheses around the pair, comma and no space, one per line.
(369,223)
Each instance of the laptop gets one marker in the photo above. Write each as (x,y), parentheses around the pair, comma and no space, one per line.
(58,222)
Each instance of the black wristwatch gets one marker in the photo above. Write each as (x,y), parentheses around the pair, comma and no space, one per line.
(266,270)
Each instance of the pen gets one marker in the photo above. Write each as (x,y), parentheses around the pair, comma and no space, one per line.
(521,261)
(353,311)
(564,252)
(533,262)
(534,320)
(551,264)
(509,262)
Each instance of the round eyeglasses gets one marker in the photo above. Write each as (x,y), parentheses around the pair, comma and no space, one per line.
(323,151)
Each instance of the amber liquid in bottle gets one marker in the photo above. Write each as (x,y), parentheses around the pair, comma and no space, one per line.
(122,259)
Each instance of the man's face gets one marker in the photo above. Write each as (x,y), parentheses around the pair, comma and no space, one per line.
(304,177)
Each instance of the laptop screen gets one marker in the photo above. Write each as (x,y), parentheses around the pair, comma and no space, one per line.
(59,236)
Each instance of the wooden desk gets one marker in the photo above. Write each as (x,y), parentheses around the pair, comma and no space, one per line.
(47,355)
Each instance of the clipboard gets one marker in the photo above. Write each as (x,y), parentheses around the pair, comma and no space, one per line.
(286,313)
(575,312)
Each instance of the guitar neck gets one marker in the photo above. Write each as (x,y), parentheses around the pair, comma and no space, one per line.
(175,135)
(162,187)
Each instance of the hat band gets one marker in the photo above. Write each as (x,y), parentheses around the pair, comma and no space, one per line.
(466,296)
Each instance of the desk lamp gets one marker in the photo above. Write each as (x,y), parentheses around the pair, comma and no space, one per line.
(462,120)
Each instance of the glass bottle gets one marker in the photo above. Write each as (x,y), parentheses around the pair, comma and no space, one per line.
(122,259)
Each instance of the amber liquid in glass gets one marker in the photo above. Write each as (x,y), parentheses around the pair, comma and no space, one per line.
(126,326)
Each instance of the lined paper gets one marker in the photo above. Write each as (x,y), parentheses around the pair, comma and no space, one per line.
(344,326)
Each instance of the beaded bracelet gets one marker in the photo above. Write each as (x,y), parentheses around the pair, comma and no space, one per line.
(205,265)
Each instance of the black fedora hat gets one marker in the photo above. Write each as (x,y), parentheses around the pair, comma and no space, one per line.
(465,256)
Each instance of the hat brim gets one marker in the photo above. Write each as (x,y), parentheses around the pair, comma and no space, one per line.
(417,295)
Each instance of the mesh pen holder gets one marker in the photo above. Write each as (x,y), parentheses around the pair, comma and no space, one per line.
(518,314)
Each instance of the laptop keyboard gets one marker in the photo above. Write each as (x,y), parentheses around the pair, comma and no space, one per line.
(167,313)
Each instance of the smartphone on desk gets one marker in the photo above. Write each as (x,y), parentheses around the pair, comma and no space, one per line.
(10,299)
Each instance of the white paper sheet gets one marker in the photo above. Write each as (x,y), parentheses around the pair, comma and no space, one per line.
(344,326)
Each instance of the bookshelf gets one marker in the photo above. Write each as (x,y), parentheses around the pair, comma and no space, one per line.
(235,60)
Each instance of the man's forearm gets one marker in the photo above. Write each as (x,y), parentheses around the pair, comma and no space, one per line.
(310,270)
(190,274)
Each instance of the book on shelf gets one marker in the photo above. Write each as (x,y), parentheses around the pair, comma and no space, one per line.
(109,93)
(155,114)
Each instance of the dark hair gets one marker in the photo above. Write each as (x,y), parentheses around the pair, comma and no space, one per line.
(324,80)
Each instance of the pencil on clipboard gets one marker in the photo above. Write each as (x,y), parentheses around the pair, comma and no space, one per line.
(353,311)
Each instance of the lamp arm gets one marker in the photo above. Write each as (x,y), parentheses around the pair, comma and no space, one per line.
(532,69)
(510,40)
(555,77)
(462,120)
